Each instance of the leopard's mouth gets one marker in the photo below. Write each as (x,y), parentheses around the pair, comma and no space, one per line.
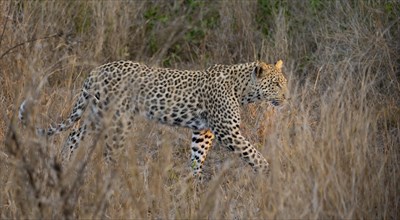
(276,102)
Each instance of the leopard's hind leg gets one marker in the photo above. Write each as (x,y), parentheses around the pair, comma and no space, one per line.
(121,125)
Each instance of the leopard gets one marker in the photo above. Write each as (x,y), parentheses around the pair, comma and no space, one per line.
(206,101)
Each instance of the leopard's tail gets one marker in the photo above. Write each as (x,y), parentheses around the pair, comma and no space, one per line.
(76,114)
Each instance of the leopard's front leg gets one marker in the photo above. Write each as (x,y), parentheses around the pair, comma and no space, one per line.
(231,138)
(201,144)
(225,122)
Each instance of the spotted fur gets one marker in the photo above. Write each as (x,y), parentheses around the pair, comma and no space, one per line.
(206,101)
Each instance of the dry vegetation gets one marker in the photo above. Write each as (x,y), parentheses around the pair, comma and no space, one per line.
(334,150)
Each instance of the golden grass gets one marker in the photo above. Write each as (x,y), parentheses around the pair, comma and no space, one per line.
(334,149)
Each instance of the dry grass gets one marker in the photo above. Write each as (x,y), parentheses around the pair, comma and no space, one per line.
(334,150)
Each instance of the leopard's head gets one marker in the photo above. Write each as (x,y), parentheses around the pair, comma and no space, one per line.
(269,83)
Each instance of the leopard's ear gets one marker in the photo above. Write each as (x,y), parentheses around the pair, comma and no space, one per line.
(279,64)
(258,71)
